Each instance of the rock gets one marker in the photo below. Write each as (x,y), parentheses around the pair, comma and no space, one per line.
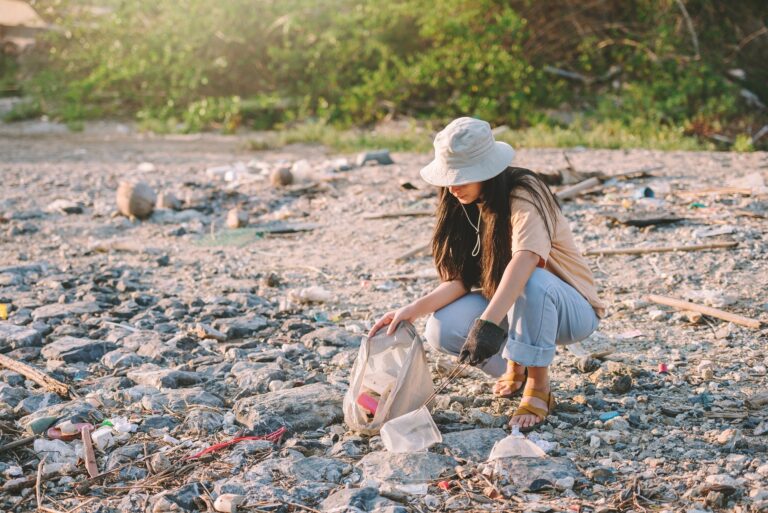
(240,327)
(237,218)
(180,499)
(534,474)
(472,444)
(621,384)
(36,402)
(204,331)
(14,337)
(721,483)
(360,500)
(281,176)
(201,422)
(601,475)
(330,336)
(120,359)
(586,364)
(299,409)
(418,467)
(228,502)
(167,199)
(381,157)
(159,377)
(180,400)
(135,199)
(314,468)
(72,350)
(64,206)
(12,395)
(65,310)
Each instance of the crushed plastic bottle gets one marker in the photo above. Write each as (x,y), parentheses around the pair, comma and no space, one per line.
(515,445)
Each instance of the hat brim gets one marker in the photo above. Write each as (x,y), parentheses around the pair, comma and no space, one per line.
(439,173)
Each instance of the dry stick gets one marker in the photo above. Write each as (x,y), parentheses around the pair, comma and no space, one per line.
(17,443)
(716,190)
(413,252)
(575,190)
(38,492)
(689,24)
(37,376)
(706,310)
(451,376)
(659,249)
(399,213)
(90,456)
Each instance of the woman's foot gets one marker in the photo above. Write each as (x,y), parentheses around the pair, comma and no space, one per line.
(512,381)
(536,402)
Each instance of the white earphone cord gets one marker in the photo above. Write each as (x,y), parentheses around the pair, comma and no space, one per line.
(476,249)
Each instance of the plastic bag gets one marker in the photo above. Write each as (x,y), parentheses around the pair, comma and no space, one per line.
(390,376)
(412,432)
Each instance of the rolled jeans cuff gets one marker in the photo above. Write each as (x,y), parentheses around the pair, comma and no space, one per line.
(528,355)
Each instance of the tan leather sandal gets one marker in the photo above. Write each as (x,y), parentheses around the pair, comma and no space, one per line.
(511,378)
(526,408)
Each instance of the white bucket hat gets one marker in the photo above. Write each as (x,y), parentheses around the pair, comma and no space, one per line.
(466,152)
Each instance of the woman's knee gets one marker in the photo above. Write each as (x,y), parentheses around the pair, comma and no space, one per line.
(441,335)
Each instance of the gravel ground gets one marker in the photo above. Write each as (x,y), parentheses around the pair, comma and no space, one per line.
(185,333)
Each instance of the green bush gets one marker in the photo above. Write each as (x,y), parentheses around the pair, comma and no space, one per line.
(194,65)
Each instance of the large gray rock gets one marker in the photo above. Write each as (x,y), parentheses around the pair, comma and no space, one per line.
(180,400)
(253,378)
(72,349)
(240,327)
(299,409)
(534,474)
(360,500)
(330,336)
(65,310)
(159,377)
(13,337)
(405,468)
(12,395)
(472,444)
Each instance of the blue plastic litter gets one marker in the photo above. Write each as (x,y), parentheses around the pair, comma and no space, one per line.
(609,415)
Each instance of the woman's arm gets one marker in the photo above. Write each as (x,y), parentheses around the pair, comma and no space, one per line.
(445,293)
(511,285)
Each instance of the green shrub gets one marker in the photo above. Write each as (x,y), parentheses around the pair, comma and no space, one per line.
(195,65)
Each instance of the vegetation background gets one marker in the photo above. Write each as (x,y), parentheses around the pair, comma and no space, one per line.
(689,74)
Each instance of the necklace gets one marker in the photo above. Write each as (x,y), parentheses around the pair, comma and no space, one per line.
(476,249)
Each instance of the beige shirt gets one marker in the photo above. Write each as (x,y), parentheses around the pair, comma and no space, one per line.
(560,256)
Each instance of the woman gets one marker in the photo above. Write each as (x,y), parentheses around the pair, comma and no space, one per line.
(500,228)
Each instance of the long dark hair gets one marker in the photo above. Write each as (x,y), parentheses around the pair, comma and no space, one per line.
(454,238)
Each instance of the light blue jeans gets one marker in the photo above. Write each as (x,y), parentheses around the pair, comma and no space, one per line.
(548,312)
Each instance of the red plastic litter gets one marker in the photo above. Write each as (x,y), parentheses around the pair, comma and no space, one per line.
(55,433)
(663,369)
(273,437)
(444,485)
(368,402)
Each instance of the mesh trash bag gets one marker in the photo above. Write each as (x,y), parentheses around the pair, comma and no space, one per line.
(390,378)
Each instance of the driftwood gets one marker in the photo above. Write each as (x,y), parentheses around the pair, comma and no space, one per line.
(17,443)
(706,310)
(659,249)
(589,183)
(399,213)
(39,377)
(413,252)
(575,190)
(90,456)
(744,191)
(642,219)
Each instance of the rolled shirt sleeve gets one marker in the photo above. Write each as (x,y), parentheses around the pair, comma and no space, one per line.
(529,231)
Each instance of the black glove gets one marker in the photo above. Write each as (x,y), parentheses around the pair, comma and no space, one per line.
(483,341)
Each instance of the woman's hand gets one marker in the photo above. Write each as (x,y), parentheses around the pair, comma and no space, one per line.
(393,318)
